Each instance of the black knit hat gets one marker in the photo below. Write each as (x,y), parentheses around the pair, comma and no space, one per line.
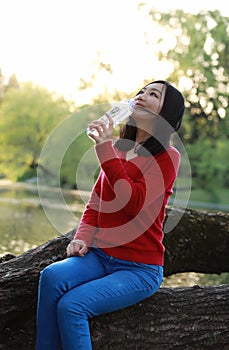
(173,106)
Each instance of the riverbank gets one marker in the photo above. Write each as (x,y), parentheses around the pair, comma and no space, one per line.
(26,221)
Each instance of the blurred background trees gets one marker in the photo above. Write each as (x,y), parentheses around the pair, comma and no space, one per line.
(198,55)
(27,115)
(200,60)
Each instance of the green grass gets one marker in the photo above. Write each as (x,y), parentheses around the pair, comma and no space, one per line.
(204,196)
(215,199)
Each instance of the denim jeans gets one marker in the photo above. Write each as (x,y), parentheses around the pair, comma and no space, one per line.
(73,290)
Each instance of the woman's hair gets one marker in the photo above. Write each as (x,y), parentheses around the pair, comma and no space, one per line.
(172,111)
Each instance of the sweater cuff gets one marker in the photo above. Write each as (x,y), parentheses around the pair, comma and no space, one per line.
(105,151)
(84,237)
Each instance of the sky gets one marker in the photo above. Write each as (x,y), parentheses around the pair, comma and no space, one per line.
(54,43)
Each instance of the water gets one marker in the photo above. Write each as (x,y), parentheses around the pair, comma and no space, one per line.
(24,225)
(23,222)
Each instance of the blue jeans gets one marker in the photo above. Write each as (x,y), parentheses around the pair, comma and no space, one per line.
(73,290)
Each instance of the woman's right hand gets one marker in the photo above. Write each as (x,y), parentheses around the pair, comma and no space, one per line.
(77,247)
(104,130)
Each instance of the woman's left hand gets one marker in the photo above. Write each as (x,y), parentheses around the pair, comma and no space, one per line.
(77,247)
(105,131)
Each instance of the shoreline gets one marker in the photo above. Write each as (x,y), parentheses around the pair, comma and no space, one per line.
(9,184)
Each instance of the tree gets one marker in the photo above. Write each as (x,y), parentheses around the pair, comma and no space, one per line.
(197,47)
(27,116)
(100,67)
(199,58)
(12,83)
(210,167)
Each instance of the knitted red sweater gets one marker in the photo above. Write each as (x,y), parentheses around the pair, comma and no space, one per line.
(126,210)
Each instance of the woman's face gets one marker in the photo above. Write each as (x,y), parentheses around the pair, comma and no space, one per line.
(151,97)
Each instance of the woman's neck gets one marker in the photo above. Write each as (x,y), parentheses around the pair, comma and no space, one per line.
(141,136)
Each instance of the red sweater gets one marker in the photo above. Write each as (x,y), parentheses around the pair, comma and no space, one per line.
(126,210)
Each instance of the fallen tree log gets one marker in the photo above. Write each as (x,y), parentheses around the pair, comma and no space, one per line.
(179,318)
(199,243)
(173,319)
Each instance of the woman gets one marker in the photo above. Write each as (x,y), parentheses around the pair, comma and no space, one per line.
(116,257)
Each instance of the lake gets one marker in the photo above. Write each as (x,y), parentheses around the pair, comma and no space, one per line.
(25,224)
(29,218)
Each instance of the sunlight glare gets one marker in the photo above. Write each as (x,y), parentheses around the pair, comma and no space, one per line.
(185,83)
(55,43)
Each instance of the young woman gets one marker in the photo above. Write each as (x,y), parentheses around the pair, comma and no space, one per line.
(116,257)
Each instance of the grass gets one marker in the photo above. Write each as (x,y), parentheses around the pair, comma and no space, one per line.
(201,199)
(189,279)
(222,195)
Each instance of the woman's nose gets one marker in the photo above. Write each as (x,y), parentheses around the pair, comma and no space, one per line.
(140,96)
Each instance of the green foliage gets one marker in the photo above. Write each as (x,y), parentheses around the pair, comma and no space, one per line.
(80,164)
(210,167)
(200,61)
(68,155)
(213,280)
(199,58)
(27,115)
(71,163)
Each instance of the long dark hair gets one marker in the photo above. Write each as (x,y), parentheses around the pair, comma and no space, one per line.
(172,111)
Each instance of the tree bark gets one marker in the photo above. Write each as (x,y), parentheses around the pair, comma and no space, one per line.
(186,318)
(173,319)
(179,318)
(199,243)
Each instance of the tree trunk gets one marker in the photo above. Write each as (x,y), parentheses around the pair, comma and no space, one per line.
(173,319)
(199,243)
(188,318)
(179,318)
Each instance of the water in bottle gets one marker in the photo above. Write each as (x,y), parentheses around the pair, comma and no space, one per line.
(119,112)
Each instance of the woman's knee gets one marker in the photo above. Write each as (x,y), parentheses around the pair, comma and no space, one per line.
(68,306)
(49,275)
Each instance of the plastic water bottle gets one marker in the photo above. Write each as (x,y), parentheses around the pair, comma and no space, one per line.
(119,112)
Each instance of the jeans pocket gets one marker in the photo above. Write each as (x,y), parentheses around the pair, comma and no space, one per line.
(151,274)
(154,268)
